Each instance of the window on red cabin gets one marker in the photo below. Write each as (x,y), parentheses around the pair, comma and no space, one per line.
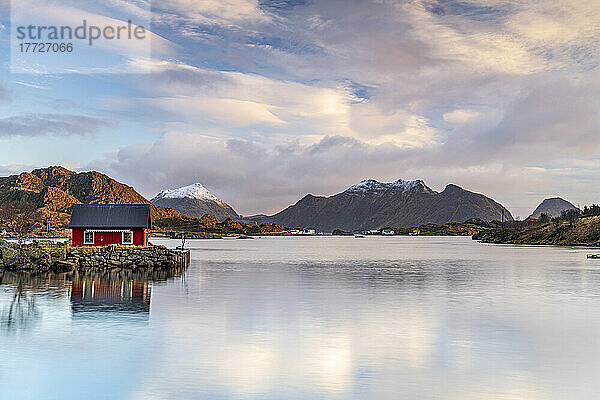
(88,237)
(128,237)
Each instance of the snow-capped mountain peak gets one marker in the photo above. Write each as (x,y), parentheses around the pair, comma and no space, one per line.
(193,191)
(195,201)
(371,185)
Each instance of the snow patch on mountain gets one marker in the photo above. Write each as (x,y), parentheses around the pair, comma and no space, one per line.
(371,185)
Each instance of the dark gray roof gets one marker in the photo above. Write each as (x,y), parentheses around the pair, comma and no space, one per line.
(110,216)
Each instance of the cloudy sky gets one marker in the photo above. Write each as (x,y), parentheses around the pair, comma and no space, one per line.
(264,101)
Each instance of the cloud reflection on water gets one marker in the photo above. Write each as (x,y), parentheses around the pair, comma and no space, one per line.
(371,319)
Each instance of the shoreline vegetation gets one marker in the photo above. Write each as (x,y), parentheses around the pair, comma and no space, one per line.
(571,228)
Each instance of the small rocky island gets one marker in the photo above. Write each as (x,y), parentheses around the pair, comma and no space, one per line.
(47,256)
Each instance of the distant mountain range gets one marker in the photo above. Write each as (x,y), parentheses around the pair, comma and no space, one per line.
(373,205)
(367,205)
(553,207)
(195,201)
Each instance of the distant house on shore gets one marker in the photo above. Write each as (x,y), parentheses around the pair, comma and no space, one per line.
(40,226)
(106,224)
(303,232)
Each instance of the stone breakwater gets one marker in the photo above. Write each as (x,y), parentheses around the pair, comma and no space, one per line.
(127,257)
(53,257)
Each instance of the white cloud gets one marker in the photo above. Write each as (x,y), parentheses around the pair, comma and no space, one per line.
(460,116)
(33,125)
(231,113)
(268,103)
(215,102)
(458,41)
(226,12)
(31,85)
(557,23)
(112,56)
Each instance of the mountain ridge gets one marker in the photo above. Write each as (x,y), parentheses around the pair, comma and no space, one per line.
(55,189)
(396,204)
(553,207)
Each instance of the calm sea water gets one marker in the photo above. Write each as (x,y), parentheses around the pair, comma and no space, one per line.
(312,318)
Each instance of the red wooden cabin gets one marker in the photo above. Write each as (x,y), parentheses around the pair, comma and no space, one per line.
(106,224)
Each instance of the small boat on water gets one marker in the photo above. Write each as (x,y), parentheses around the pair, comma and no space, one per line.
(593,256)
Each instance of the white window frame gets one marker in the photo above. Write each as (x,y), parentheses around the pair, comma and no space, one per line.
(123,237)
(84,237)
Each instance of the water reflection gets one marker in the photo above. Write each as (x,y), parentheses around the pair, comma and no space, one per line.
(90,294)
(314,319)
(19,312)
(97,296)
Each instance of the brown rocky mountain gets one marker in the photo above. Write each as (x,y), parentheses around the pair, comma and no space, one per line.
(373,205)
(55,189)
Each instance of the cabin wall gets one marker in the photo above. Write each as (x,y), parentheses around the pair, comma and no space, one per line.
(107,238)
(139,238)
(110,237)
(77,237)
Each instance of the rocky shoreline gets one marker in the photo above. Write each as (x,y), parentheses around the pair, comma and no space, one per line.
(582,232)
(41,257)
